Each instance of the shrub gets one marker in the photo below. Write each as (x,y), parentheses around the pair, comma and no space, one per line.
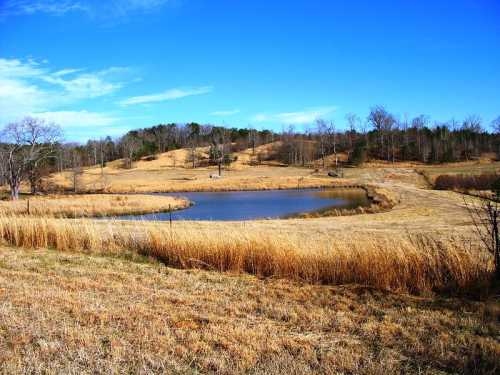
(485,181)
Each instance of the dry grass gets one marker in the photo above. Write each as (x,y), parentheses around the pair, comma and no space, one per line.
(118,308)
(400,263)
(171,179)
(83,314)
(92,205)
(466,168)
(169,172)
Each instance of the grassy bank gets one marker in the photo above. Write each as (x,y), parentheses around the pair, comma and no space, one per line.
(400,263)
(77,313)
(92,205)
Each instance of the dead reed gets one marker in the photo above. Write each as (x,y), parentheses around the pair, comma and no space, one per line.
(405,264)
(92,205)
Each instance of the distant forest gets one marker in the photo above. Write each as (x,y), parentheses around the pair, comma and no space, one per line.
(380,136)
(324,144)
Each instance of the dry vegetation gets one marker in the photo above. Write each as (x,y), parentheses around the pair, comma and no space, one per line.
(92,205)
(482,166)
(298,296)
(85,314)
(416,264)
(169,172)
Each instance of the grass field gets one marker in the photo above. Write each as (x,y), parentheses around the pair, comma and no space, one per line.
(75,313)
(170,172)
(411,264)
(387,292)
(91,205)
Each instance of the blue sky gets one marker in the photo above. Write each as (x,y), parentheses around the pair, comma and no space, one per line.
(103,67)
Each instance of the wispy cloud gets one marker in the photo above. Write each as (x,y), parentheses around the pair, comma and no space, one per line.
(27,86)
(65,72)
(295,118)
(52,7)
(94,9)
(171,94)
(225,113)
(75,119)
(89,85)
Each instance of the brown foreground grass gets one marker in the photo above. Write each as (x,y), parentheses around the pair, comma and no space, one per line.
(92,205)
(416,264)
(72,313)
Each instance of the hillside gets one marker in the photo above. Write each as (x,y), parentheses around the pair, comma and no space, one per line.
(171,171)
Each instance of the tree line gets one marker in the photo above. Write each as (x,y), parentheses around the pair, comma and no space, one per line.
(32,148)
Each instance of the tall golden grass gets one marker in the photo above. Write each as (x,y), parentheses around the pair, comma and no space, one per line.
(92,205)
(404,264)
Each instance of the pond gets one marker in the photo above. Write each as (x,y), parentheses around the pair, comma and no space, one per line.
(250,205)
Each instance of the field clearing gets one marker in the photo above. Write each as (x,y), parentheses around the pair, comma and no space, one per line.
(78,313)
(91,205)
(170,179)
(169,172)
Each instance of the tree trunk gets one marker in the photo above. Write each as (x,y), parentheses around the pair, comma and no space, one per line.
(496,238)
(14,191)
(33,186)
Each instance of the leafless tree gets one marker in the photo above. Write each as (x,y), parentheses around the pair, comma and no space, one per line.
(322,132)
(353,122)
(76,170)
(252,138)
(130,146)
(26,144)
(333,132)
(485,217)
(495,124)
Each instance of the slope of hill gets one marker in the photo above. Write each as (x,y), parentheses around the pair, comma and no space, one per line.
(172,171)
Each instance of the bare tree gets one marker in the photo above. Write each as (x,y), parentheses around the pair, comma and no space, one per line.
(76,169)
(252,138)
(131,146)
(486,217)
(333,132)
(26,144)
(194,134)
(495,124)
(382,122)
(353,122)
(322,131)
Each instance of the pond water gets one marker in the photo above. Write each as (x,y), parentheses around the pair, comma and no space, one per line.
(249,205)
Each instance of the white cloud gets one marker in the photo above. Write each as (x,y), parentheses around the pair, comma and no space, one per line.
(96,9)
(65,72)
(17,98)
(295,118)
(14,68)
(84,85)
(54,7)
(171,94)
(76,119)
(225,113)
(29,87)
